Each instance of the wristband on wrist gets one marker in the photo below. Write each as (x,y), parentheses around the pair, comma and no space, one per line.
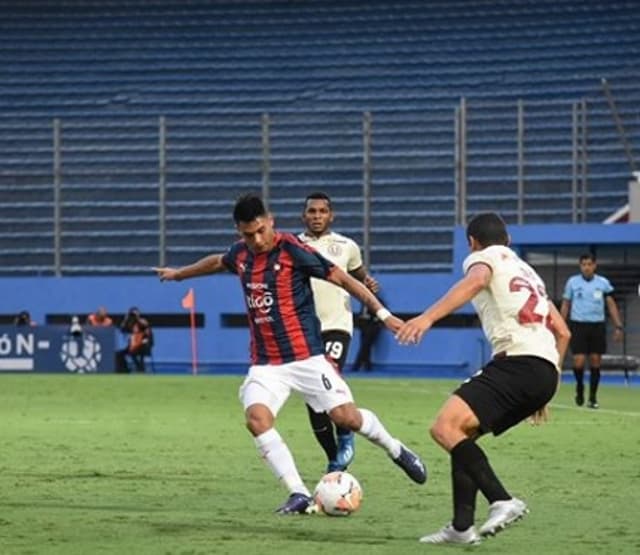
(382,314)
(619,327)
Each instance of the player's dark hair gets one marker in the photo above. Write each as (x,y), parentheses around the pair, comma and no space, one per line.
(488,229)
(248,208)
(588,256)
(318,195)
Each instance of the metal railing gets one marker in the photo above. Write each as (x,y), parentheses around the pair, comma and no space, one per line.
(401,180)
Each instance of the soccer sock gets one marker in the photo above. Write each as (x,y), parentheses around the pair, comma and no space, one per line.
(276,454)
(472,459)
(375,432)
(323,430)
(464,497)
(579,375)
(342,431)
(594,380)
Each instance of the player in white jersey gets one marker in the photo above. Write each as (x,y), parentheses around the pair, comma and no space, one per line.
(529,339)
(333,308)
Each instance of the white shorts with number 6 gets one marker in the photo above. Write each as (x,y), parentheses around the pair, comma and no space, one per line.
(314,378)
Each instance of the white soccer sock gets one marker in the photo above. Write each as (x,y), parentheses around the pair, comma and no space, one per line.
(375,432)
(276,454)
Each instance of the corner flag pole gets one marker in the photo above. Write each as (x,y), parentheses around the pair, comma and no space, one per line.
(189,303)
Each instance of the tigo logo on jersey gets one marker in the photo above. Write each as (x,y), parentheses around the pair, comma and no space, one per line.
(260,301)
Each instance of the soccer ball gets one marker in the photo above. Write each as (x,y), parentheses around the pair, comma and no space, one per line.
(338,494)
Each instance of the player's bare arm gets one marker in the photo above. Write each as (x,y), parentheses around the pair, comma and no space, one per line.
(612,307)
(369,281)
(563,335)
(358,290)
(476,279)
(560,331)
(211,264)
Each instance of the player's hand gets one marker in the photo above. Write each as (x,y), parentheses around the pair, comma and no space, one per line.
(412,331)
(540,416)
(393,323)
(166,274)
(371,283)
(618,335)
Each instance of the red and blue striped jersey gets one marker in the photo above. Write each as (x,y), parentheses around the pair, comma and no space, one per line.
(277,289)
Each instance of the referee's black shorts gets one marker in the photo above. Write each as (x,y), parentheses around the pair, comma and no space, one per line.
(508,390)
(588,337)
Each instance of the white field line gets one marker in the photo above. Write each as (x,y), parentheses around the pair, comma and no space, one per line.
(595,411)
(415,389)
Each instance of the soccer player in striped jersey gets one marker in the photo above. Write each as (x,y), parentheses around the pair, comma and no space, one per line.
(287,353)
(333,308)
(529,339)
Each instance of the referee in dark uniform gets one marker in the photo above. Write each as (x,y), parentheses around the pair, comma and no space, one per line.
(583,300)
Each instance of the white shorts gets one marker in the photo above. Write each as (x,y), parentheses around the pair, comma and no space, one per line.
(314,378)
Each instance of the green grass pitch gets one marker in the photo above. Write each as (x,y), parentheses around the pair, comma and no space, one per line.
(163,465)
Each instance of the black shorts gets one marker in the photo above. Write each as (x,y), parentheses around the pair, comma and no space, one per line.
(508,390)
(336,346)
(588,337)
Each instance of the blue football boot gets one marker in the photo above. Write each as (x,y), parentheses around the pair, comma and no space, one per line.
(346,450)
(412,465)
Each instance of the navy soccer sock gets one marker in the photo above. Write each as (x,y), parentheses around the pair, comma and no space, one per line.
(472,459)
(322,427)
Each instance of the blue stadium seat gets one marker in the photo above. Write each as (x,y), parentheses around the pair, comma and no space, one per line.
(110,70)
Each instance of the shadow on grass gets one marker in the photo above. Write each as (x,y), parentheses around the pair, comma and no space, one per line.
(231,530)
(46,505)
(96,475)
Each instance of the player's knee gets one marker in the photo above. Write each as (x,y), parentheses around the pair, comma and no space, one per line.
(258,422)
(444,432)
(346,416)
(437,432)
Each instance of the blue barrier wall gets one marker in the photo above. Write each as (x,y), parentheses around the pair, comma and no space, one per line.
(459,351)
(216,295)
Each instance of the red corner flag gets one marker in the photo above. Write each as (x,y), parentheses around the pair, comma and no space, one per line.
(189,303)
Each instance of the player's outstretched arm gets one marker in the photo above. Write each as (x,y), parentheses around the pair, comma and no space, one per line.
(369,281)
(211,264)
(462,292)
(358,290)
(560,331)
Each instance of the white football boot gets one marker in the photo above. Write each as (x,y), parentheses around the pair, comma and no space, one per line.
(502,514)
(449,534)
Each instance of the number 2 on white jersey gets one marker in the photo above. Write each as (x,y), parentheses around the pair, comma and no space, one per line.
(527,313)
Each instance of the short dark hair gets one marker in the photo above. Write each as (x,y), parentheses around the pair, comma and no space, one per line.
(318,195)
(488,229)
(588,256)
(248,207)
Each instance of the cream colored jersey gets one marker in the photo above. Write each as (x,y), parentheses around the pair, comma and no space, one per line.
(514,308)
(333,304)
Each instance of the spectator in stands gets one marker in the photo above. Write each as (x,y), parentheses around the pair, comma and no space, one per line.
(75,328)
(584,299)
(23,319)
(139,343)
(99,318)
(370,327)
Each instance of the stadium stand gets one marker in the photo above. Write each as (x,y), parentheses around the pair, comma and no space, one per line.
(109,69)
